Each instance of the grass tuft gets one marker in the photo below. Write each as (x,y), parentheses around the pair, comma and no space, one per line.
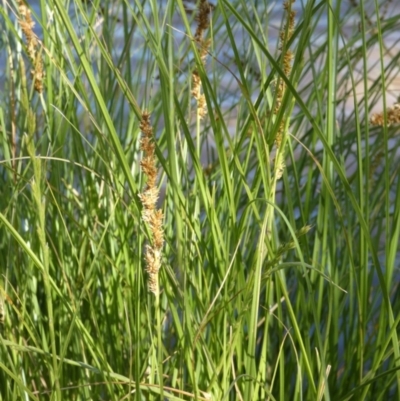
(239,243)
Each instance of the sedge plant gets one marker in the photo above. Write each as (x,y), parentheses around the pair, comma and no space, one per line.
(199,200)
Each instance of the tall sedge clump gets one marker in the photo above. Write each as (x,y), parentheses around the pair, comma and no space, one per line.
(203,22)
(152,216)
(26,23)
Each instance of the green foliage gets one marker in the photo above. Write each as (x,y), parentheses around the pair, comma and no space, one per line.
(280,265)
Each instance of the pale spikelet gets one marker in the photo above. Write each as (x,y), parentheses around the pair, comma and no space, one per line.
(38,73)
(287,6)
(26,23)
(153,263)
(279,134)
(280,166)
(203,22)
(392,116)
(150,215)
(287,62)
(196,92)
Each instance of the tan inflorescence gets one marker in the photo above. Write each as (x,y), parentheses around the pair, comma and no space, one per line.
(150,214)
(287,58)
(392,116)
(26,23)
(203,22)
(378,119)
